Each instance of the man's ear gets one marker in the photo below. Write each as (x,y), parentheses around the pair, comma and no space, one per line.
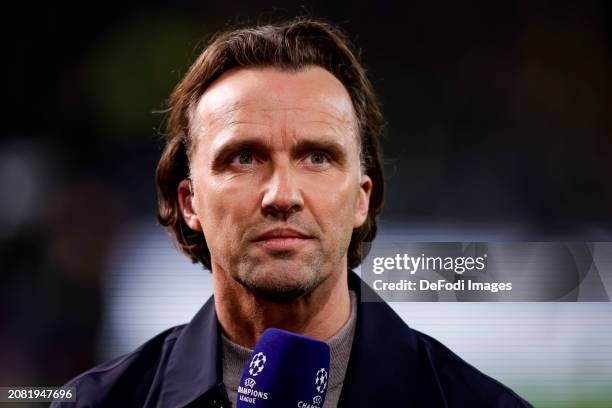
(185,199)
(363,201)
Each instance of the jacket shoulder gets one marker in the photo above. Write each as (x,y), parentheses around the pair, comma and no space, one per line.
(125,380)
(460,383)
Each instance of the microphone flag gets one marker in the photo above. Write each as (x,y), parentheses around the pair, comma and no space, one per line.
(285,370)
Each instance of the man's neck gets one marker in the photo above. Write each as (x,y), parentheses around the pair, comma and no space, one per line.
(244,317)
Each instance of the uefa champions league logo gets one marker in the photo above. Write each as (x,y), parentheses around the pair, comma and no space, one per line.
(320,383)
(248,393)
(321,380)
(257,364)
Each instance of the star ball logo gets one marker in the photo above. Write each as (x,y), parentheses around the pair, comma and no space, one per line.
(321,385)
(257,364)
(248,393)
(321,380)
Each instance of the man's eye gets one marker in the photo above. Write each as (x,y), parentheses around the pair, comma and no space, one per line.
(317,158)
(243,159)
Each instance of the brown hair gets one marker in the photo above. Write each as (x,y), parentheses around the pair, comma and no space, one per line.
(293,45)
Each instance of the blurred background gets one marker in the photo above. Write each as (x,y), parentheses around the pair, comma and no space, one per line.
(499,128)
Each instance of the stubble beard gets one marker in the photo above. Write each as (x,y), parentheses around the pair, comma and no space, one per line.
(280,280)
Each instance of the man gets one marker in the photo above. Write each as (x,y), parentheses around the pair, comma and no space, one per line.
(271,178)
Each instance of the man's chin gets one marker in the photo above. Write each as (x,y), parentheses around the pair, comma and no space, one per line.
(277,295)
(281,292)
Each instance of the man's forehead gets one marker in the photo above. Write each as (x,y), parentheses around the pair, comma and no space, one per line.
(267,96)
(254,115)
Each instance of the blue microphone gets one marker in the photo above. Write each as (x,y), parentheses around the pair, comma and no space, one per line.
(285,370)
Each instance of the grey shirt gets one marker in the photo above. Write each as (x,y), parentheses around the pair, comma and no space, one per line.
(235,358)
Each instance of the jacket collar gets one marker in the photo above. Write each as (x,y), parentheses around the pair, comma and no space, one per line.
(193,365)
(383,356)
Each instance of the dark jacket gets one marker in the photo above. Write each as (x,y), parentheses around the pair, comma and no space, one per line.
(391,365)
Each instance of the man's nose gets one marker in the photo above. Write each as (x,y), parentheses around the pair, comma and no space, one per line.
(282,195)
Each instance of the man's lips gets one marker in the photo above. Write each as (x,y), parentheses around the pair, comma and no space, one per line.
(282,239)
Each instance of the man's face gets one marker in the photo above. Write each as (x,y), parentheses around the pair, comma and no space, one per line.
(276,178)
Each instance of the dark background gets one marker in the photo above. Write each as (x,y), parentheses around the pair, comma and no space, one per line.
(496,115)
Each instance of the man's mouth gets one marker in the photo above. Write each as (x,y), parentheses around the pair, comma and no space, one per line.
(282,239)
